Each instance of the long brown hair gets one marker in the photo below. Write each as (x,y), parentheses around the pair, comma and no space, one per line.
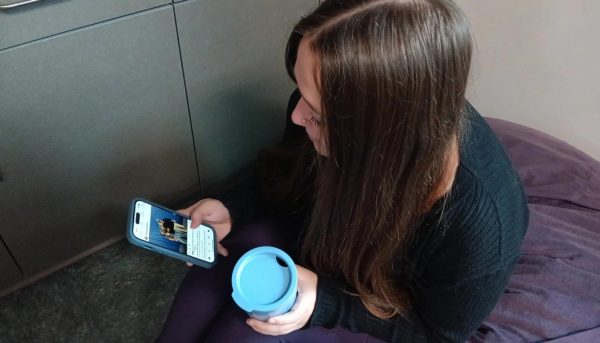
(392,76)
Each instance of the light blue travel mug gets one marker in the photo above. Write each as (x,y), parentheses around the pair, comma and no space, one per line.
(265,282)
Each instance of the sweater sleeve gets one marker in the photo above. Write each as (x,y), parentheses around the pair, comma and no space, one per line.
(442,313)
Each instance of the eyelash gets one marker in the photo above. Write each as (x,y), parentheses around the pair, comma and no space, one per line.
(314,121)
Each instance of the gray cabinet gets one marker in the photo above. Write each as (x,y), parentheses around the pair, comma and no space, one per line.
(103,101)
(45,18)
(90,119)
(233,56)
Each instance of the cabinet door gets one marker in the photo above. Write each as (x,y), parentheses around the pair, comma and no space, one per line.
(89,120)
(45,18)
(233,56)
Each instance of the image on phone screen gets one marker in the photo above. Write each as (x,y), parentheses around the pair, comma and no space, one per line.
(170,230)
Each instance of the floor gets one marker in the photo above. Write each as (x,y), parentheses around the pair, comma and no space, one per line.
(119,294)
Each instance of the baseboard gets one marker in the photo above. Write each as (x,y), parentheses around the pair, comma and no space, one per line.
(60,266)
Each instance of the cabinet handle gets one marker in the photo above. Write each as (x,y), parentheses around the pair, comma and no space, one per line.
(18,4)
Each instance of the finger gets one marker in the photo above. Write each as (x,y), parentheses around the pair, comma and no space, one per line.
(295,313)
(222,250)
(293,316)
(189,264)
(270,329)
(285,319)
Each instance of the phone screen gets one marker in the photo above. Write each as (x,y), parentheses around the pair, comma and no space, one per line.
(172,231)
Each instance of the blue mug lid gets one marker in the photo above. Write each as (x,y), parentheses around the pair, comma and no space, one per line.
(260,283)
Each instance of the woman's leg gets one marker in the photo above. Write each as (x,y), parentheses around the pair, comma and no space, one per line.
(204,293)
(231,326)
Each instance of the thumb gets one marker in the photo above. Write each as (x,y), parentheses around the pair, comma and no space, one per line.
(197,217)
(187,212)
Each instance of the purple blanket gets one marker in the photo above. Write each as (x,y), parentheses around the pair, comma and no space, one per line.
(554,292)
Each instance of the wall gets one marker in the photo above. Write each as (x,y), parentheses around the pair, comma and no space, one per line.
(537,63)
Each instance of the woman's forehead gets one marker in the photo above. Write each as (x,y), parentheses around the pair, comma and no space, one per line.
(304,71)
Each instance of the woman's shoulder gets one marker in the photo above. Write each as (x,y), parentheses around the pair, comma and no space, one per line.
(478,227)
(486,177)
(481,153)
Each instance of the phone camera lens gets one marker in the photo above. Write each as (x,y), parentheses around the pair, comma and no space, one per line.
(137,218)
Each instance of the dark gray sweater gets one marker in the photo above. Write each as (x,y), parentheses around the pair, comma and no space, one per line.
(460,260)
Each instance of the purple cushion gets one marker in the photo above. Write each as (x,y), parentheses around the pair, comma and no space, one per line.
(550,168)
(555,287)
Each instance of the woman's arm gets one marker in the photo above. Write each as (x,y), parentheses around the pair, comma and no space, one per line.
(442,313)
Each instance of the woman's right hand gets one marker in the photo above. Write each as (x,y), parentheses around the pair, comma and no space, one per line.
(213,213)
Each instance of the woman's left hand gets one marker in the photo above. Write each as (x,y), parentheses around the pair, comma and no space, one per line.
(300,313)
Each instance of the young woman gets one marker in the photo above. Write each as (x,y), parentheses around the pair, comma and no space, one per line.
(404,212)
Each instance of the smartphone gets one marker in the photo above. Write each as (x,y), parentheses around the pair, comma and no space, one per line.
(167,232)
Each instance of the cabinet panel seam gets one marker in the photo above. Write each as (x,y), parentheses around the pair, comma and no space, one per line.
(12,256)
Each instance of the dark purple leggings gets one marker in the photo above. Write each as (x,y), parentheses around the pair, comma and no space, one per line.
(203,310)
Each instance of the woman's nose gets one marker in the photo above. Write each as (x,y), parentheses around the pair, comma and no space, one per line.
(298,115)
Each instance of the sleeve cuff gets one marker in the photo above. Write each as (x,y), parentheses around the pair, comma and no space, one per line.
(328,304)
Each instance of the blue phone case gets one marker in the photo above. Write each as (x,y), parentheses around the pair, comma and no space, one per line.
(157,248)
